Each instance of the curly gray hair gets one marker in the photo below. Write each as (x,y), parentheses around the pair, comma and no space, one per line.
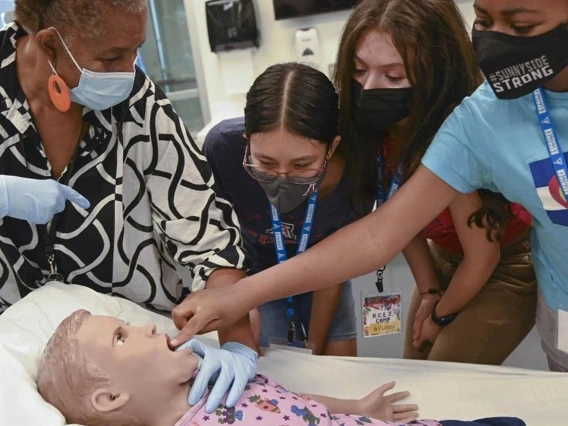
(35,15)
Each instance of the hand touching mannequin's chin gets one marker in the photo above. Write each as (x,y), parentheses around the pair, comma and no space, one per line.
(97,370)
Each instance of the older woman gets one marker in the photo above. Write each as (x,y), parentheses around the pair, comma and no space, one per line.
(74,109)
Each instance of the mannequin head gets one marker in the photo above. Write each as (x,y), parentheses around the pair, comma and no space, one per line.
(97,370)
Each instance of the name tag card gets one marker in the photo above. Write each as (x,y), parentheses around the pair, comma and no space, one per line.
(381,314)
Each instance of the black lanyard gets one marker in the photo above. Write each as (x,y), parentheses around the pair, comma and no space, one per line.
(395,184)
(48,238)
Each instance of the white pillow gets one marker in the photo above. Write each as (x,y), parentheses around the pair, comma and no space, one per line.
(25,329)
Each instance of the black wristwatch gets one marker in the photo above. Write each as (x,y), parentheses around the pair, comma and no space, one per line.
(442,321)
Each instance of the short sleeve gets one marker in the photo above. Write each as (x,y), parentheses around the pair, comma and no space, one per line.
(457,155)
(213,151)
(198,226)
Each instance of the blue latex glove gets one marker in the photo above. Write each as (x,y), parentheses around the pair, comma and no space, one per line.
(232,367)
(35,200)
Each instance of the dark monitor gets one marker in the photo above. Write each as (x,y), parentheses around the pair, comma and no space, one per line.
(285,9)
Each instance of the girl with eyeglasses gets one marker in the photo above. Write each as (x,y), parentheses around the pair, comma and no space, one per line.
(282,168)
(508,137)
(475,284)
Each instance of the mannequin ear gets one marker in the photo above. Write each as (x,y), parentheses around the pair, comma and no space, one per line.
(106,400)
(334,145)
(47,41)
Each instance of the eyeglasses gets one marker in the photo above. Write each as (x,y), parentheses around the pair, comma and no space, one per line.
(296,176)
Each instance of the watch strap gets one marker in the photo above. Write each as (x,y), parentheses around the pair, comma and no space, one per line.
(441,321)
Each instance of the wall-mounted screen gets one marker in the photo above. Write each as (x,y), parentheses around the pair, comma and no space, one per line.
(285,9)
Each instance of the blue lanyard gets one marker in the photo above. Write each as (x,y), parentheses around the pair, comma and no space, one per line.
(281,255)
(395,184)
(551,139)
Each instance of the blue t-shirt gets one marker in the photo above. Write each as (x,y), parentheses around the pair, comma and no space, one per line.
(498,145)
(224,148)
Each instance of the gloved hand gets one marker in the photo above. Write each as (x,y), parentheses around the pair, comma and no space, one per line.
(232,367)
(35,200)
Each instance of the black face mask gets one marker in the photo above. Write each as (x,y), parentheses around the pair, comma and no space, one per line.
(380,108)
(517,66)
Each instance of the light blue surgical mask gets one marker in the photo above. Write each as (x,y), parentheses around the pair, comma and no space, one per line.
(99,90)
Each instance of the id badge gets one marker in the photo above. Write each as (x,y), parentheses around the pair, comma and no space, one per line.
(297,346)
(381,313)
(552,325)
(563,331)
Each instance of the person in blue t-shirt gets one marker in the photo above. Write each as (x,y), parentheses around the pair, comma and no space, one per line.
(275,164)
(500,138)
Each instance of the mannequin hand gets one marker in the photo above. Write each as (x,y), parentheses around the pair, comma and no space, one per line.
(379,406)
(35,200)
(232,367)
(208,310)
(430,332)
(427,303)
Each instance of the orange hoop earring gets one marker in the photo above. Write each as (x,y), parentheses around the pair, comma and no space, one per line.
(59,93)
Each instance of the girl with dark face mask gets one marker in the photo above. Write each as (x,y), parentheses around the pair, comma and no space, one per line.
(493,140)
(282,169)
(402,68)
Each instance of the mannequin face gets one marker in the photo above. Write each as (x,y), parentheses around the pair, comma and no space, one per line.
(143,370)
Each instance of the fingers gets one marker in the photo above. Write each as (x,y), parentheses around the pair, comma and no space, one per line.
(191,344)
(419,344)
(386,387)
(196,346)
(223,383)
(45,213)
(398,396)
(75,197)
(418,322)
(182,337)
(191,320)
(416,329)
(404,409)
(209,368)
(236,390)
(191,328)
(213,325)
(181,313)
(405,418)
(42,217)
(200,384)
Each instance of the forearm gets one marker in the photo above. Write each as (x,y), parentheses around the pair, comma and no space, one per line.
(324,306)
(354,250)
(480,257)
(417,255)
(336,405)
(468,280)
(241,331)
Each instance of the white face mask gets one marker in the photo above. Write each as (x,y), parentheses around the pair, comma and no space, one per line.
(99,90)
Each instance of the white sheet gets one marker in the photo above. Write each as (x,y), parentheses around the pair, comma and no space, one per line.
(442,390)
